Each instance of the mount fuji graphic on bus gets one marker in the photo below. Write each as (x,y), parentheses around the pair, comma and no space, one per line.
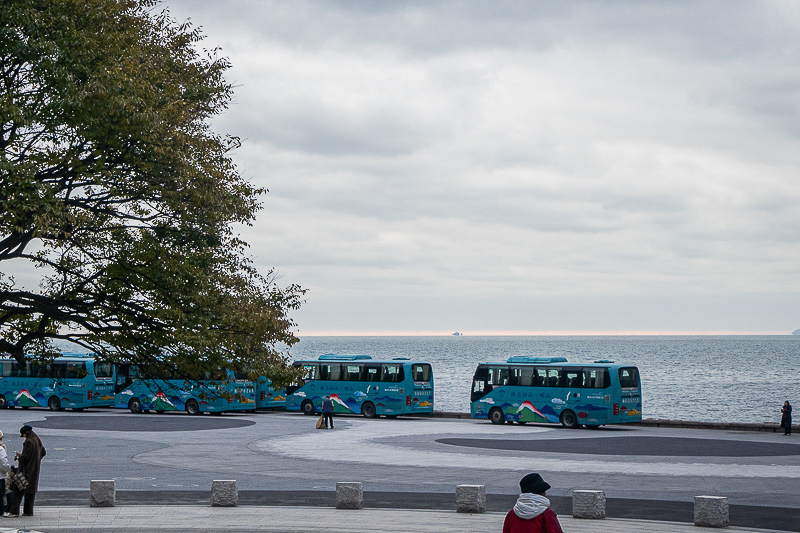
(162,403)
(339,406)
(24,399)
(529,413)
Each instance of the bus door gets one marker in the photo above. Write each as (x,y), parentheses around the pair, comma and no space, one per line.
(630,404)
(572,385)
(103,383)
(421,398)
(70,385)
(372,380)
(392,395)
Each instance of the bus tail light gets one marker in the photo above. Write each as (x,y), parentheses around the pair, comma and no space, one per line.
(616,409)
(408,400)
(263,396)
(89,395)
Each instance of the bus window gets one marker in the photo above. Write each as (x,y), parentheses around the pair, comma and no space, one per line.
(69,370)
(103,370)
(573,378)
(629,378)
(552,376)
(498,376)
(5,366)
(372,373)
(330,371)
(596,378)
(392,373)
(421,373)
(309,372)
(38,370)
(521,376)
(19,370)
(352,372)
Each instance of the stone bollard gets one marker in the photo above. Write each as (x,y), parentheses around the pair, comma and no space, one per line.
(224,493)
(588,504)
(349,495)
(471,498)
(711,511)
(102,493)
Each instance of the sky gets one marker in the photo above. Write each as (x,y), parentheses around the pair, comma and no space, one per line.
(520,167)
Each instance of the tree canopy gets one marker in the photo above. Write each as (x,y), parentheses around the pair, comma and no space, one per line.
(119,201)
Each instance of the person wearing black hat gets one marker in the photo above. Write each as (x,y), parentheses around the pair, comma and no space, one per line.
(30,461)
(532,513)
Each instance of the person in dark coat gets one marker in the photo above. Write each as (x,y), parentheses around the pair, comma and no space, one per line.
(327,411)
(30,462)
(786,418)
(532,513)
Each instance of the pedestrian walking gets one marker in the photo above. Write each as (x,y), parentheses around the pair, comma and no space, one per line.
(327,411)
(29,463)
(532,513)
(786,418)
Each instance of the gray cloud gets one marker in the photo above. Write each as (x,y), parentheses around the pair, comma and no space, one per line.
(527,166)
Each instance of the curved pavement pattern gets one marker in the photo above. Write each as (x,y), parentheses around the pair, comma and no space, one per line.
(412,462)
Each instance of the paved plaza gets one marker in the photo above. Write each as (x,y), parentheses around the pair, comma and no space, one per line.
(192,519)
(163,466)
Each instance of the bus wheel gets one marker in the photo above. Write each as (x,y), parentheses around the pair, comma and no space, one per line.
(3,403)
(135,406)
(569,420)
(192,408)
(368,410)
(307,407)
(497,416)
(54,403)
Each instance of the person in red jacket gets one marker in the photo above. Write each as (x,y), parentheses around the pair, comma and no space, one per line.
(532,513)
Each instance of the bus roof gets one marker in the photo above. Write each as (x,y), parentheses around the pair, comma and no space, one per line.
(358,358)
(529,359)
(342,357)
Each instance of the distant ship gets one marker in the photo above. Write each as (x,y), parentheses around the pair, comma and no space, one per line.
(795,332)
(457,334)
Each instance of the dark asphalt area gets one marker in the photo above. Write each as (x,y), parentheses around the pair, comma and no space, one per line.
(635,445)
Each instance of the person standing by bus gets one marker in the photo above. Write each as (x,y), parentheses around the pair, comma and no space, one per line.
(327,411)
(532,513)
(786,418)
(30,462)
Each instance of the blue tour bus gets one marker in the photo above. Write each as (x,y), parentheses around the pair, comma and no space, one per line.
(551,390)
(152,388)
(361,385)
(76,381)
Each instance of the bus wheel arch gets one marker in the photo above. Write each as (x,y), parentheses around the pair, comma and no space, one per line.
(368,410)
(135,406)
(54,403)
(569,419)
(307,407)
(497,416)
(192,407)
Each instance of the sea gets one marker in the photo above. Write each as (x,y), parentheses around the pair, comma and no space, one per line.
(730,378)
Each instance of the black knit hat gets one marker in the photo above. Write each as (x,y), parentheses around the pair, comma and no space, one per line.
(534,484)
(23,431)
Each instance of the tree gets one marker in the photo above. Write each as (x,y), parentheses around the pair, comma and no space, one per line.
(115,188)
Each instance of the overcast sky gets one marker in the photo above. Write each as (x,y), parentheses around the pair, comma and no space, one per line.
(520,167)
